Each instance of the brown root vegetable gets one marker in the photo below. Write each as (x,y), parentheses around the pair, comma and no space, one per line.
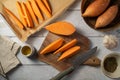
(107,17)
(53,46)
(61,28)
(70,52)
(66,46)
(96,8)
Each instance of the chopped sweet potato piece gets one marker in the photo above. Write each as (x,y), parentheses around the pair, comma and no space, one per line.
(66,46)
(28,4)
(36,10)
(17,21)
(27,15)
(46,2)
(53,46)
(61,28)
(70,52)
(21,13)
(43,8)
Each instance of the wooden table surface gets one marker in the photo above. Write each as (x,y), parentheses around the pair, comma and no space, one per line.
(33,69)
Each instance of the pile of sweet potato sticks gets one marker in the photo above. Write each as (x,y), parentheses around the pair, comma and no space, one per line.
(31,13)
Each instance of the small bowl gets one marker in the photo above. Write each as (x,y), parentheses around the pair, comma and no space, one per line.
(91,21)
(28,50)
(115,73)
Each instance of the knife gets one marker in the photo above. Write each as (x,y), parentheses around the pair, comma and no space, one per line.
(76,63)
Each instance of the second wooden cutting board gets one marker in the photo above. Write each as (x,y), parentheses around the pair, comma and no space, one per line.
(51,59)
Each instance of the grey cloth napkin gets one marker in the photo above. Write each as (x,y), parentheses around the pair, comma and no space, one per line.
(8,50)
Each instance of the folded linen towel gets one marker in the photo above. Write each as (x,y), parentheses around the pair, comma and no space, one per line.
(8,50)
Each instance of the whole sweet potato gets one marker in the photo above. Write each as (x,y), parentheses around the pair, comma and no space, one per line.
(107,17)
(96,8)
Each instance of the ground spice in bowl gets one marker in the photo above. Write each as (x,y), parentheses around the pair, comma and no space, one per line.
(110,64)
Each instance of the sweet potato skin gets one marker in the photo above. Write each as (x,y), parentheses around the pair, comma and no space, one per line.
(96,8)
(107,17)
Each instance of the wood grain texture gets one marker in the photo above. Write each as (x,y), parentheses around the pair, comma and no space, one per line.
(51,59)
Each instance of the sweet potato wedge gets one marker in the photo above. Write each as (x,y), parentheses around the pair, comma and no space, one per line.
(66,46)
(17,21)
(28,5)
(36,10)
(46,2)
(61,28)
(53,46)
(70,52)
(27,15)
(21,13)
(44,8)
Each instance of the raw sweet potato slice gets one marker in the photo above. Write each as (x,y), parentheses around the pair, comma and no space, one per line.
(70,52)
(17,21)
(61,28)
(28,4)
(66,46)
(27,15)
(36,10)
(53,46)
(21,13)
(46,2)
(43,8)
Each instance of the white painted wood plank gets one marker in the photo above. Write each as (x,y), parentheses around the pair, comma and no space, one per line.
(35,72)
(43,72)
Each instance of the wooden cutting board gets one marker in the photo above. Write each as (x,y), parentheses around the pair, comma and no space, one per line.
(58,7)
(51,59)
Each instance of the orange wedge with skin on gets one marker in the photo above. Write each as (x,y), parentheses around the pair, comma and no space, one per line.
(27,15)
(46,2)
(28,5)
(52,46)
(61,28)
(36,9)
(18,22)
(43,8)
(66,46)
(21,13)
(70,52)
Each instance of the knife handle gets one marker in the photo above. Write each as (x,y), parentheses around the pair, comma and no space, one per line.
(63,73)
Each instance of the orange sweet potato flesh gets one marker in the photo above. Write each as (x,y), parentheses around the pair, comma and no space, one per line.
(36,10)
(46,2)
(66,46)
(27,15)
(107,17)
(21,13)
(53,46)
(28,5)
(70,52)
(17,21)
(96,8)
(61,28)
(44,8)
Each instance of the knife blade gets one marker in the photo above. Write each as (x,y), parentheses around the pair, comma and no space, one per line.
(76,63)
